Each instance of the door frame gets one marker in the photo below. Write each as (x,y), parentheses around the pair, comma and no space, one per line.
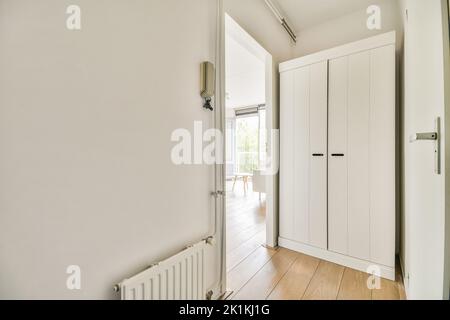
(273,151)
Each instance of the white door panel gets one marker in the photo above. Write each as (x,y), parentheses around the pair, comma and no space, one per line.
(287,156)
(318,155)
(425,68)
(382,156)
(301,155)
(358,155)
(337,165)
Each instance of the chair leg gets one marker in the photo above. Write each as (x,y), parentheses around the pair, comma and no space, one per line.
(234,183)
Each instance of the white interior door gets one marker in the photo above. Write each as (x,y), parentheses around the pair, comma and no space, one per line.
(382,156)
(358,155)
(318,122)
(337,156)
(302,156)
(303,193)
(425,68)
(286,222)
(362,155)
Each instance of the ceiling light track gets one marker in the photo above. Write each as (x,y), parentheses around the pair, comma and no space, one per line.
(282,20)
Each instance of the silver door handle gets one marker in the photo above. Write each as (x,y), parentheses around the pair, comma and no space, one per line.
(432,136)
(424,136)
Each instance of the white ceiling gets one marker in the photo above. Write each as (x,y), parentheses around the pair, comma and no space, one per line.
(245,76)
(307,13)
(244,68)
(239,60)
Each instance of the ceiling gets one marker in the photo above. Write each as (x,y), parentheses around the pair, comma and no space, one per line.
(244,68)
(245,76)
(307,13)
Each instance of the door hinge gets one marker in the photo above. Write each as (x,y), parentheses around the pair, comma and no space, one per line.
(218,193)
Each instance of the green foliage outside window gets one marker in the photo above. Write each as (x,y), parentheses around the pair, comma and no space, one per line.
(247,144)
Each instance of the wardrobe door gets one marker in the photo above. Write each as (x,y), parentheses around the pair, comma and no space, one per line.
(301,154)
(318,115)
(358,155)
(382,156)
(287,155)
(337,156)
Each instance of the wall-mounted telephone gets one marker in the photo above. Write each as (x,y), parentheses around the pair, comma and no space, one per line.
(207,83)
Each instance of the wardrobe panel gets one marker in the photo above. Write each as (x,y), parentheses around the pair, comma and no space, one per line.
(337,156)
(318,115)
(382,156)
(358,155)
(287,155)
(301,155)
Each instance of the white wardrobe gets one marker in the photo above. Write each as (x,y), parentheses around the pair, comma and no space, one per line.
(338,159)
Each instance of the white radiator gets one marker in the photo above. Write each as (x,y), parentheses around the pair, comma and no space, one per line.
(181,277)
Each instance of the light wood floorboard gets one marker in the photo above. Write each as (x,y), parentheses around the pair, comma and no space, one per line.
(296,280)
(247,269)
(389,290)
(265,280)
(237,255)
(354,286)
(325,282)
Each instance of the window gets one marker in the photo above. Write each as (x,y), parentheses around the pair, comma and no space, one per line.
(247,144)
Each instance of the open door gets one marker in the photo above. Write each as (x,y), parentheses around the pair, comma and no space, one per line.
(426,97)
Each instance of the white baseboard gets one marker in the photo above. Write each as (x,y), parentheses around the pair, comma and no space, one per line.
(353,263)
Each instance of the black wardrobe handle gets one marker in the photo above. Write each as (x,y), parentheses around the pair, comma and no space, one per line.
(337,154)
(317,154)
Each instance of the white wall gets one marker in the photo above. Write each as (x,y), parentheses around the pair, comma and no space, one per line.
(85,124)
(255,18)
(345,29)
